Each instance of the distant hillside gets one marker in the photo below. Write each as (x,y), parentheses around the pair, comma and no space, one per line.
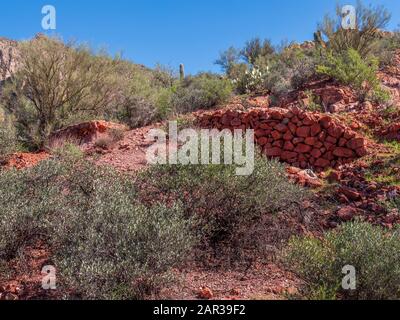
(9,57)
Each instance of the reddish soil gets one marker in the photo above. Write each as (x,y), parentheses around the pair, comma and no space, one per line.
(83,134)
(25,279)
(127,155)
(25,160)
(262,282)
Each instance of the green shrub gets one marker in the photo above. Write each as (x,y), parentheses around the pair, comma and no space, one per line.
(200,92)
(27,199)
(68,152)
(373,251)
(236,73)
(256,49)
(116,134)
(381,95)
(227,210)
(8,135)
(290,70)
(163,76)
(351,69)
(259,68)
(386,48)
(109,246)
(203,91)
(228,60)
(122,253)
(113,136)
(104,244)
(142,96)
(164,107)
(369,21)
(314,102)
(392,203)
(234,62)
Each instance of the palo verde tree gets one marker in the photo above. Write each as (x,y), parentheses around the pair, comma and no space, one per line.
(55,81)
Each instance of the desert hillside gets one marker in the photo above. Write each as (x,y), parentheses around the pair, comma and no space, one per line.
(77,191)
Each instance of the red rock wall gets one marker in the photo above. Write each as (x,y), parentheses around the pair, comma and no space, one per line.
(300,138)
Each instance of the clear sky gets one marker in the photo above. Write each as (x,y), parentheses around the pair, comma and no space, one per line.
(171,32)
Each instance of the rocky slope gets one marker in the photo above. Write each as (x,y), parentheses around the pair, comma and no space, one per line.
(341,153)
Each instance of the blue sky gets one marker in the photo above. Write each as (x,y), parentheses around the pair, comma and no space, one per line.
(171,32)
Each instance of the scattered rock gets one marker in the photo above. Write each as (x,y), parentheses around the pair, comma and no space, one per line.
(350,193)
(343,153)
(334,176)
(306,178)
(25,160)
(205,293)
(347,213)
(235,292)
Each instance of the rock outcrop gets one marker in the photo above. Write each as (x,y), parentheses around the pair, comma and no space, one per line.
(9,58)
(82,133)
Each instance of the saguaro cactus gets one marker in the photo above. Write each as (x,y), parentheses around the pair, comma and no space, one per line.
(182,71)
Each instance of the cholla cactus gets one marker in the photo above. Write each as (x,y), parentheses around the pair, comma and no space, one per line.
(182,71)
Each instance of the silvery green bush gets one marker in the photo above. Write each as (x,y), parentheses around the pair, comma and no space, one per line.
(203,91)
(373,251)
(227,210)
(27,199)
(104,244)
(8,135)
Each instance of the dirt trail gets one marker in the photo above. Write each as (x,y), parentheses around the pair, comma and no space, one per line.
(261,282)
(129,154)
